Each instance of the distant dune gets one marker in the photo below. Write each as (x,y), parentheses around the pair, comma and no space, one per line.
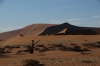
(50,29)
(33,30)
(71,30)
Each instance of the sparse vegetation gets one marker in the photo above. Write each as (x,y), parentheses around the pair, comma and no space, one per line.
(44,49)
(2,50)
(31,62)
(77,48)
(63,48)
(85,51)
(88,61)
(19,52)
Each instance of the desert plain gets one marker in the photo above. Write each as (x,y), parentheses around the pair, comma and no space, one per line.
(56,48)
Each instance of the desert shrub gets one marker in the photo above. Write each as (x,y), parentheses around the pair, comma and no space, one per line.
(85,51)
(40,45)
(36,49)
(16,46)
(8,51)
(28,48)
(57,45)
(88,61)
(2,50)
(44,49)
(77,48)
(51,48)
(8,47)
(31,62)
(63,48)
(85,40)
(98,42)
(89,44)
(19,52)
(73,44)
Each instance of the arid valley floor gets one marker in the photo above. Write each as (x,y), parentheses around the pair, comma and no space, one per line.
(53,50)
(52,45)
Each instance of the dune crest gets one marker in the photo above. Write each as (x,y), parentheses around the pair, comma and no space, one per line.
(50,29)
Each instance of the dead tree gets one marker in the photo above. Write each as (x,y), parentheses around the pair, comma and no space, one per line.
(31,48)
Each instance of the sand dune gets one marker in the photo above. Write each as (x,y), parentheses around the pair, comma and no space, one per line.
(50,34)
(28,30)
(26,40)
(71,30)
(50,29)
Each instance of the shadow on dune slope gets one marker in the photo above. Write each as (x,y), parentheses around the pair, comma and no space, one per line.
(71,30)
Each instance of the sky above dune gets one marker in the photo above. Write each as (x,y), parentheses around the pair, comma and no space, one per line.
(15,14)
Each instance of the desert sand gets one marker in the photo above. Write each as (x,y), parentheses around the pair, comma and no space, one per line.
(54,48)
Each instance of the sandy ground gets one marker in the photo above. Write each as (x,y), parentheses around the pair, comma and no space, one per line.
(52,39)
(52,57)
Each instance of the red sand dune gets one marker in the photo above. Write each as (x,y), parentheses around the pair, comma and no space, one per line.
(50,29)
(28,30)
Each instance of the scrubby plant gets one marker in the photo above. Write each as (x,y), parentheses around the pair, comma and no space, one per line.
(31,62)
(7,51)
(19,52)
(8,47)
(2,50)
(44,49)
(88,61)
(89,44)
(16,46)
(77,48)
(36,48)
(85,51)
(73,44)
(98,42)
(63,48)
(40,45)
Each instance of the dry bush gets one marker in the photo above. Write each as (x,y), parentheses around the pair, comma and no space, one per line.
(15,46)
(63,48)
(8,47)
(19,52)
(88,61)
(76,48)
(7,51)
(2,50)
(44,49)
(40,45)
(85,51)
(31,62)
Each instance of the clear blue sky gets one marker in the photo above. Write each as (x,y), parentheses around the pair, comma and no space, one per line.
(15,14)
